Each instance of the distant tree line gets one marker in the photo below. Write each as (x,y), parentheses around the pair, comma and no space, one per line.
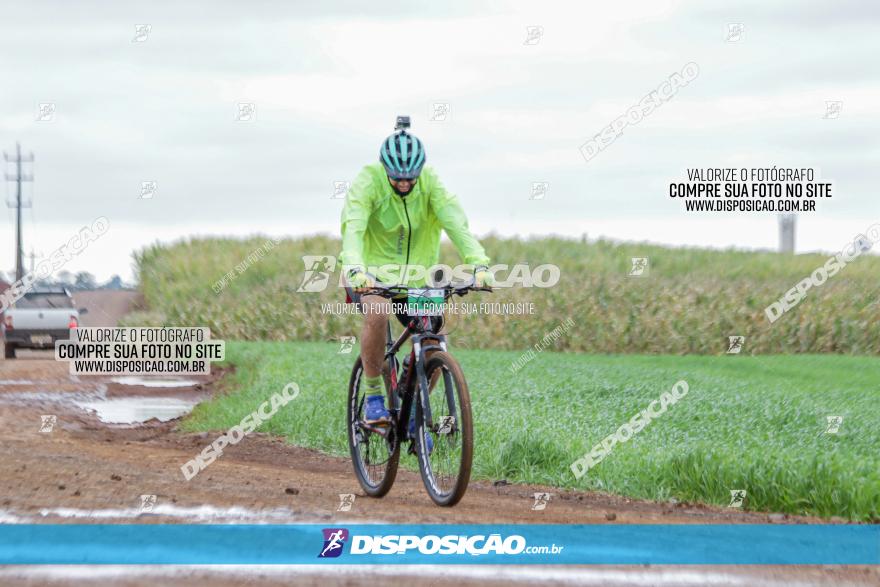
(80,281)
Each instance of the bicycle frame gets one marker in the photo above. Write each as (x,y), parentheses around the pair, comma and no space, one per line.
(418,329)
(405,390)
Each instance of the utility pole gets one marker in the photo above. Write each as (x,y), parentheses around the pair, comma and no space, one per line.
(786,233)
(18,178)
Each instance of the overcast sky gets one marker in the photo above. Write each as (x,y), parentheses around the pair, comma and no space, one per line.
(327,80)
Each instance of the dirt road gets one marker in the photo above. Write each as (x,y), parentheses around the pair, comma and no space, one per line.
(82,469)
(106,306)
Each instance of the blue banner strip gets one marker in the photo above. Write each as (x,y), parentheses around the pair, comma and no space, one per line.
(718,544)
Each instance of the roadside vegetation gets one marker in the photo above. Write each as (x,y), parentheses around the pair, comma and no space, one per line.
(610,344)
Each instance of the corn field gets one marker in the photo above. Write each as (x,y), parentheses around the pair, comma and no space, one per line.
(687,301)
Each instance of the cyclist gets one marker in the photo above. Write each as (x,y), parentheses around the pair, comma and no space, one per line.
(393,216)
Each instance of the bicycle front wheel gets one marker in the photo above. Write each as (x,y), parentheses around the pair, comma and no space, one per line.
(446,467)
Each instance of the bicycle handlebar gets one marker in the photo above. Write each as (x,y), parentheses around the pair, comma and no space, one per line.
(390,291)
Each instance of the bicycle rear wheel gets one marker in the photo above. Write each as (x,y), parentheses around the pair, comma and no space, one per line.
(446,471)
(375,456)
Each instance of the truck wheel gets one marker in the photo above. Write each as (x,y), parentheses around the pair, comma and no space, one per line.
(8,351)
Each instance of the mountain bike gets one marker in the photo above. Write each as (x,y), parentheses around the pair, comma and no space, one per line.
(430,388)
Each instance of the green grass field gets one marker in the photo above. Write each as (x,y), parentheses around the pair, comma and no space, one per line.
(753,423)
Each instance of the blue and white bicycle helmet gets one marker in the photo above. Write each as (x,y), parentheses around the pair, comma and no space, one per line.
(402,154)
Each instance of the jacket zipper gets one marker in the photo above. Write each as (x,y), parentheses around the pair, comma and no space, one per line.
(408,231)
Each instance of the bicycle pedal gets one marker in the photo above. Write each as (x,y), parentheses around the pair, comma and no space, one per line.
(382,428)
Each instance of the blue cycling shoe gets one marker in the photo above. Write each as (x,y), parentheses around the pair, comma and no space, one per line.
(429,442)
(376,412)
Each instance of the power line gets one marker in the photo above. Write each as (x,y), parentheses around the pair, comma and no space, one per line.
(18,178)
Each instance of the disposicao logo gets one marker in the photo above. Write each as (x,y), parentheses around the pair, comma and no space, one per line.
(334,540)
(442,545)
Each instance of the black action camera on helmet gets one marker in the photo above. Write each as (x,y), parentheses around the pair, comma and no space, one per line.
(402,123)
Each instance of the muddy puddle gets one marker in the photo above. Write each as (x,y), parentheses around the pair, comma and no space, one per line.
(202,513)
(166,382)
(205,513)
(136,410)
(122,400)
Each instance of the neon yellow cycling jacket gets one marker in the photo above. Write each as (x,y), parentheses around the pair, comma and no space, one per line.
(381,228)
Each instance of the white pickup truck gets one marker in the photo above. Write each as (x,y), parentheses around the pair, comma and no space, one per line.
(38,319)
